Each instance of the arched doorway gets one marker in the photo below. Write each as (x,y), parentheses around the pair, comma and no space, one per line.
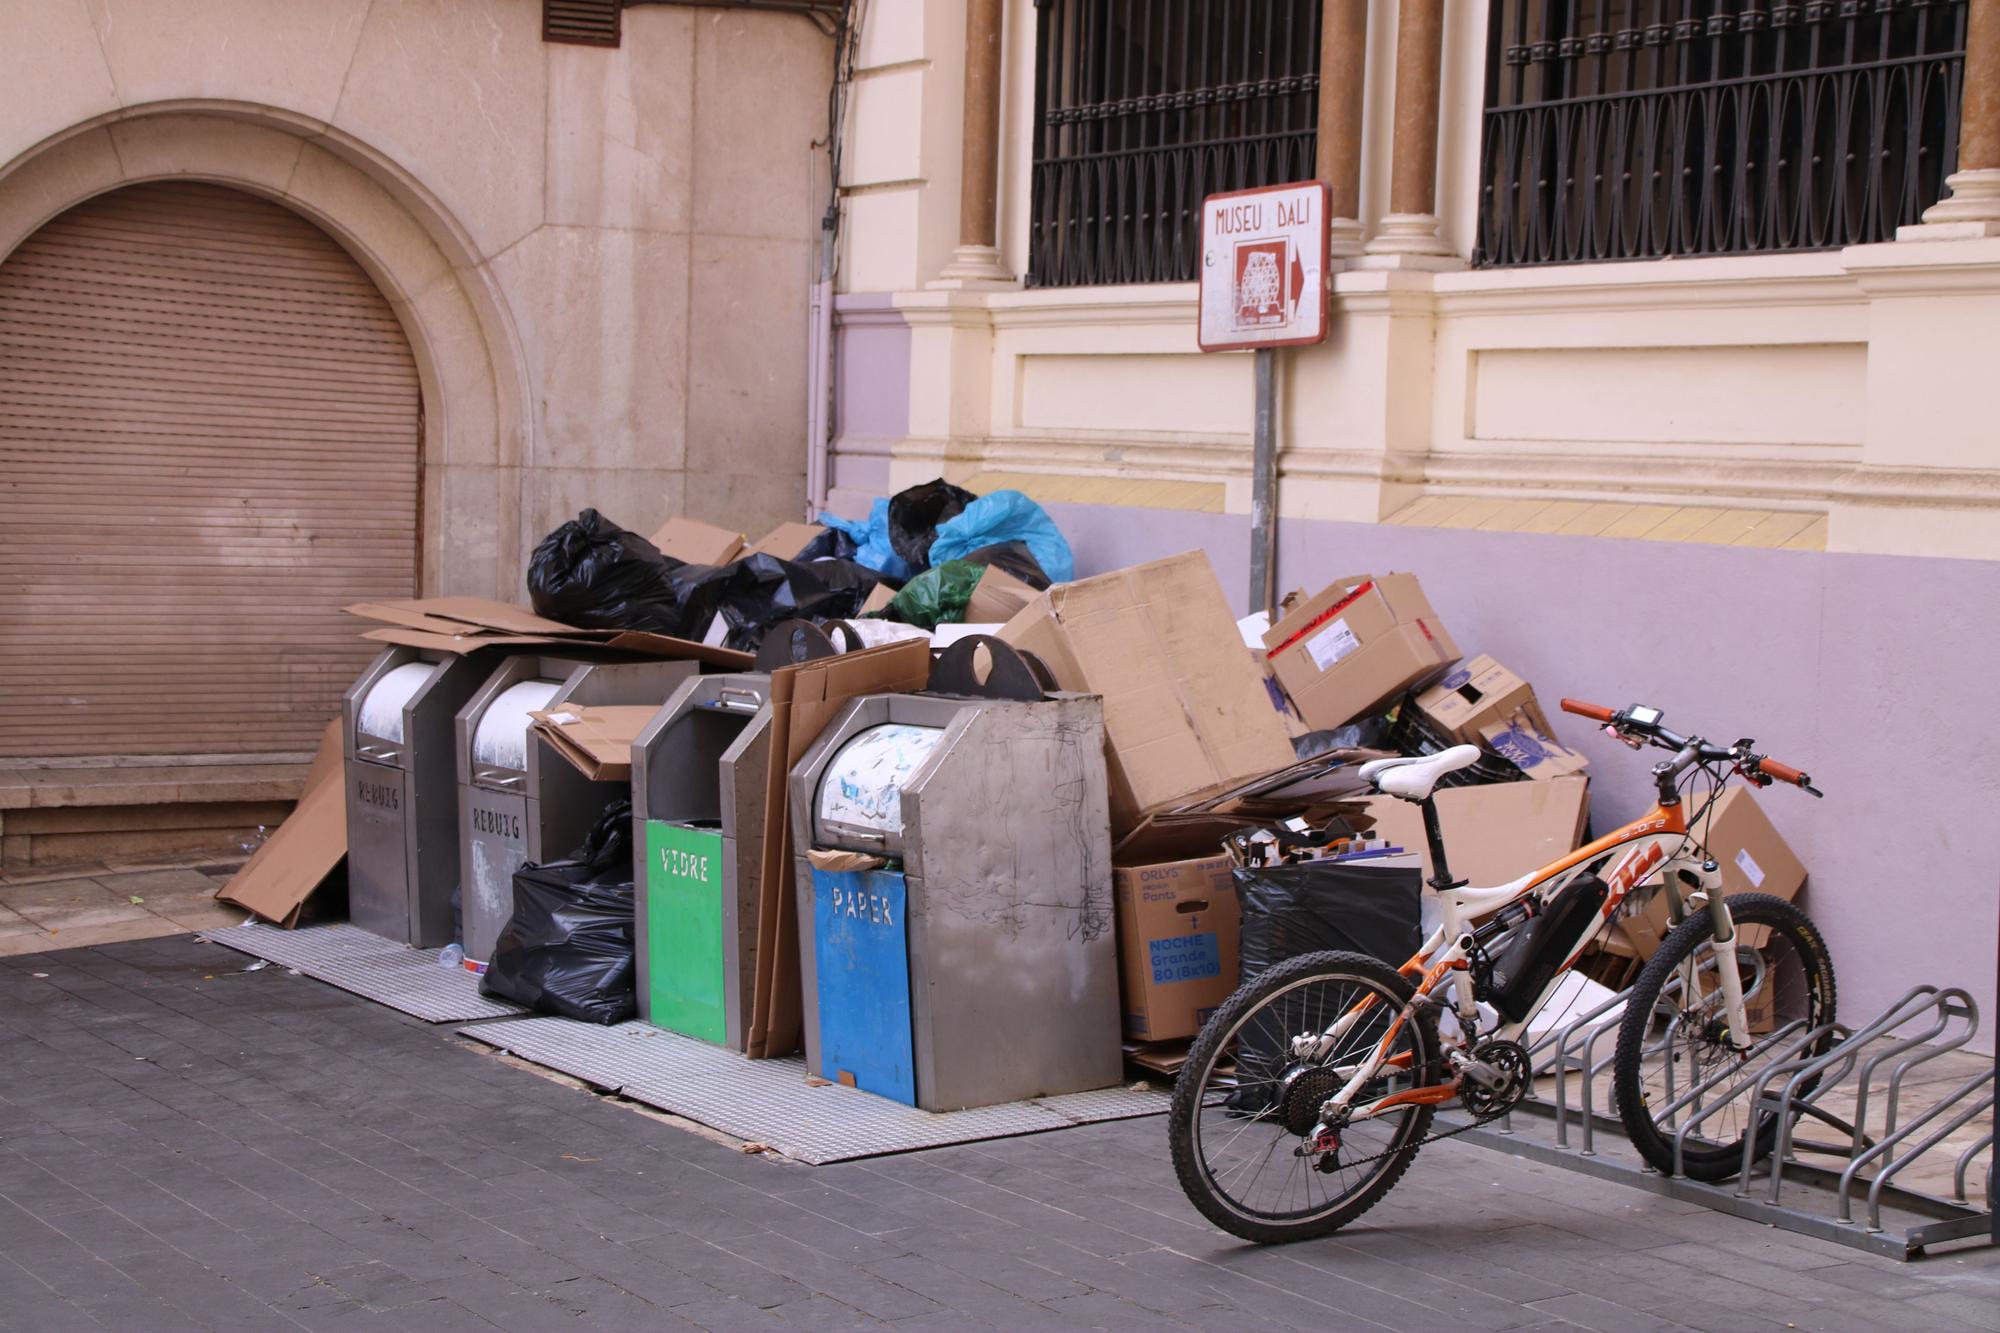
(209,443)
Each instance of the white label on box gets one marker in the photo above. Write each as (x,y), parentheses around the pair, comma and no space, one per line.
(1331,644)
(1751,870)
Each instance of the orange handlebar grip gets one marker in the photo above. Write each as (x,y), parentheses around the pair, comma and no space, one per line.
(1596,711)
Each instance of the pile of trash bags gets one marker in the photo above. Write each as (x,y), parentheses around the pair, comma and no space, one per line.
(930,544)
(593,574)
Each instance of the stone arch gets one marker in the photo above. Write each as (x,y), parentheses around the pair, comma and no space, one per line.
(461,333)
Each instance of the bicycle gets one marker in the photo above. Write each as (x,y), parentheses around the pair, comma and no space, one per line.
(1340,1063)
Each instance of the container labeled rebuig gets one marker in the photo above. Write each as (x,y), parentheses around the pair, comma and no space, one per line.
(402,803)
(991,924)
(518,801)
(698,773)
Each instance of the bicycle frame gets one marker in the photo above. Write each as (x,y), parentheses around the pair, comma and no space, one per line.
(1653,844)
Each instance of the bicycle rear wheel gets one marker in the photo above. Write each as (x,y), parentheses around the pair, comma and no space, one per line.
(1244,1107)
(1674,1034)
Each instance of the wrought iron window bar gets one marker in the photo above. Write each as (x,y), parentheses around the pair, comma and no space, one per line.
(1145,107)
(1630,129)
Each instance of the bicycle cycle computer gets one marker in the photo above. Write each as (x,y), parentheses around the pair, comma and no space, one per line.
(1643,716)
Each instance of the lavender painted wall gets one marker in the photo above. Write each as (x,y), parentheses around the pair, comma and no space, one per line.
(1871,672)
(871,402)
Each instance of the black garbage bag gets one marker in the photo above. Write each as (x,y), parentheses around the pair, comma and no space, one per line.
(1300,909)
(1013,557)
(1369,733)
(568,948)
(755,593)
(593,574)
(914,516)
(832,544)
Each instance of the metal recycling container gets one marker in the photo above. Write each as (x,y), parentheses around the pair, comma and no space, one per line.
(402,806)
(520,802)
(994,815)
(698,772)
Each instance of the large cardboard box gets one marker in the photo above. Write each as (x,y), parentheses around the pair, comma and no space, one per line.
(698,543)
(1751,855)
(1185,713)
(1482,701)
(1494,833)
(1178,927)
(1357,645)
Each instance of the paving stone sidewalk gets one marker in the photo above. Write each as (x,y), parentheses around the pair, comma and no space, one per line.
(184,1144)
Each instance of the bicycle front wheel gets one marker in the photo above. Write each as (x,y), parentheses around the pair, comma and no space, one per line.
(1674,1037)
(1247,1103)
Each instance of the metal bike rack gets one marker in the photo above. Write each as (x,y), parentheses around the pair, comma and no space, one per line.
(1793,1078)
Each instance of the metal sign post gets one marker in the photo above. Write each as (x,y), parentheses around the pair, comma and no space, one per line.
(1264,257)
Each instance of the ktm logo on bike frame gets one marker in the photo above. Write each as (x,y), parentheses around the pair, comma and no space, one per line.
(1635,868)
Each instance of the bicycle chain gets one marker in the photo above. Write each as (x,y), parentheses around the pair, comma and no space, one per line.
(1427,1139)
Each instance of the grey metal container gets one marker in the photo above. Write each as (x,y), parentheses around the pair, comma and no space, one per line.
(402,805)
(1006,858)
(702,763)
(543,809)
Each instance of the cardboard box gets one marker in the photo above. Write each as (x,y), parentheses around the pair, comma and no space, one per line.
(1357,645)
(998,597)
(1530,748)
(1481,700)
(1496,833)
(1751,855)
(786,540)
(1178,927)
(1185,711)
(698,543)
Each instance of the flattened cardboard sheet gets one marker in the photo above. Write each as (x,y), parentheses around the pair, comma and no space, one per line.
(596,740)
(302,851)
(803,700)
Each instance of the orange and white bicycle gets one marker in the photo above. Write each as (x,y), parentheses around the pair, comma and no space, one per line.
(1309,1092)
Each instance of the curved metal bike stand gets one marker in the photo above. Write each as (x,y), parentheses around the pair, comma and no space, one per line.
(1796,1071)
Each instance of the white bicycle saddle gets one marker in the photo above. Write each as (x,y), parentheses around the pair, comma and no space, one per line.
(1414,779)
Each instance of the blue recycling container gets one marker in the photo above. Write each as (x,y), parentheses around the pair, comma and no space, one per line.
(861,945)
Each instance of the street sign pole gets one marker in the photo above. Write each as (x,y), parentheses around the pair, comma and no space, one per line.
(1264,286)
(1264,486)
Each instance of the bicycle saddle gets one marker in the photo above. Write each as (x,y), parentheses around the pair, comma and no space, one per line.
(1413,779)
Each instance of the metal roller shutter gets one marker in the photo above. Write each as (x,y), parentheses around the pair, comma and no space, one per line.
(209,443)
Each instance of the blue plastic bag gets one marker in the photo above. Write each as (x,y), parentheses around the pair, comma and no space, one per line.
(1004,516)
(871,536)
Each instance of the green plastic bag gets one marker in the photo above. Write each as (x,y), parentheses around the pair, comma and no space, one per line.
(938,596)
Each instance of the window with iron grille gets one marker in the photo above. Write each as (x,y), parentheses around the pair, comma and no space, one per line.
(1145,107)
(1632,129)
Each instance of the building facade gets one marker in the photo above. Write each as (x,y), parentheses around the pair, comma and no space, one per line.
(1654,353)
(312,303)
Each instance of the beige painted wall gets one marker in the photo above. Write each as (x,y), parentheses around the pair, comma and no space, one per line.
(1831,387)
(601,256)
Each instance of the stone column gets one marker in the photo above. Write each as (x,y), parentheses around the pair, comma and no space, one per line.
(977,259)
(1974,206)
(1411,227)
(1343,59)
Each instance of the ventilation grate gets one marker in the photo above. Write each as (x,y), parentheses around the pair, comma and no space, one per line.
(582,22)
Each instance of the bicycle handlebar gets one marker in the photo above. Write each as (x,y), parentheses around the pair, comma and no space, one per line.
(1758,768)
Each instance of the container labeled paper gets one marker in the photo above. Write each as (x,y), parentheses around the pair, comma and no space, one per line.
(863,786)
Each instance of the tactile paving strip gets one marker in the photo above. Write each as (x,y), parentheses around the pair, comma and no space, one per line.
(770,1101)
(406,979)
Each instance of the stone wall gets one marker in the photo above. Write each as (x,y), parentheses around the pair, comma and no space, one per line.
(601,257)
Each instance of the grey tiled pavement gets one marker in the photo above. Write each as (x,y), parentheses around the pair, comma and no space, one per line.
(187,1145)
